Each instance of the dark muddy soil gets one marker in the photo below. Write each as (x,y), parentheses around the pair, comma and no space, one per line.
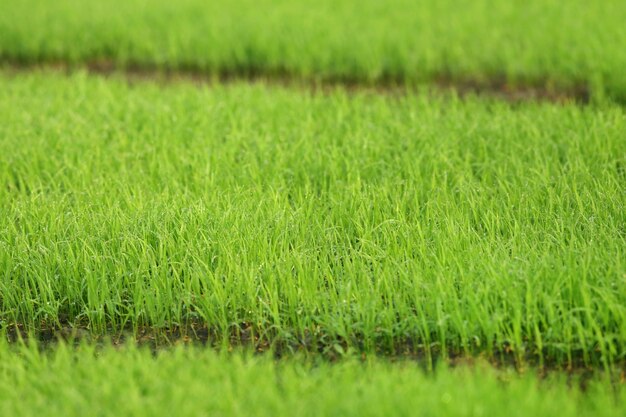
(496,87)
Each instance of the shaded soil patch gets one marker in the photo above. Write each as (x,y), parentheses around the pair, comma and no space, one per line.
(326,347)
(497,87)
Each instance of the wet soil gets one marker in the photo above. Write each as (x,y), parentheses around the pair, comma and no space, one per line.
(496,87)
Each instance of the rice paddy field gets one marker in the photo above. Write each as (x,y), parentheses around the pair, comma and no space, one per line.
(577,47)
(312,208)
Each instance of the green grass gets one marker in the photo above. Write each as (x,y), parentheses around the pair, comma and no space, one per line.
(539,42)
(377,247)
(348,220)
(199,382)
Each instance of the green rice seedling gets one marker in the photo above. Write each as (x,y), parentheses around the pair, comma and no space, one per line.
(183,381)
(314,221)
(501,44)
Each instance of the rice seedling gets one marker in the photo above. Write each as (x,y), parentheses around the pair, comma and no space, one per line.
(341,220)
(182,381)
(576,47)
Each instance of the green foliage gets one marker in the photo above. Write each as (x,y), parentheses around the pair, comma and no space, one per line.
(538,42)
(351,223)
(362,220)
(199,382)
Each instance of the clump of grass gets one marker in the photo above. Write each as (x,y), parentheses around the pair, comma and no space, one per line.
(364,221)
(506,43)
(188,382)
